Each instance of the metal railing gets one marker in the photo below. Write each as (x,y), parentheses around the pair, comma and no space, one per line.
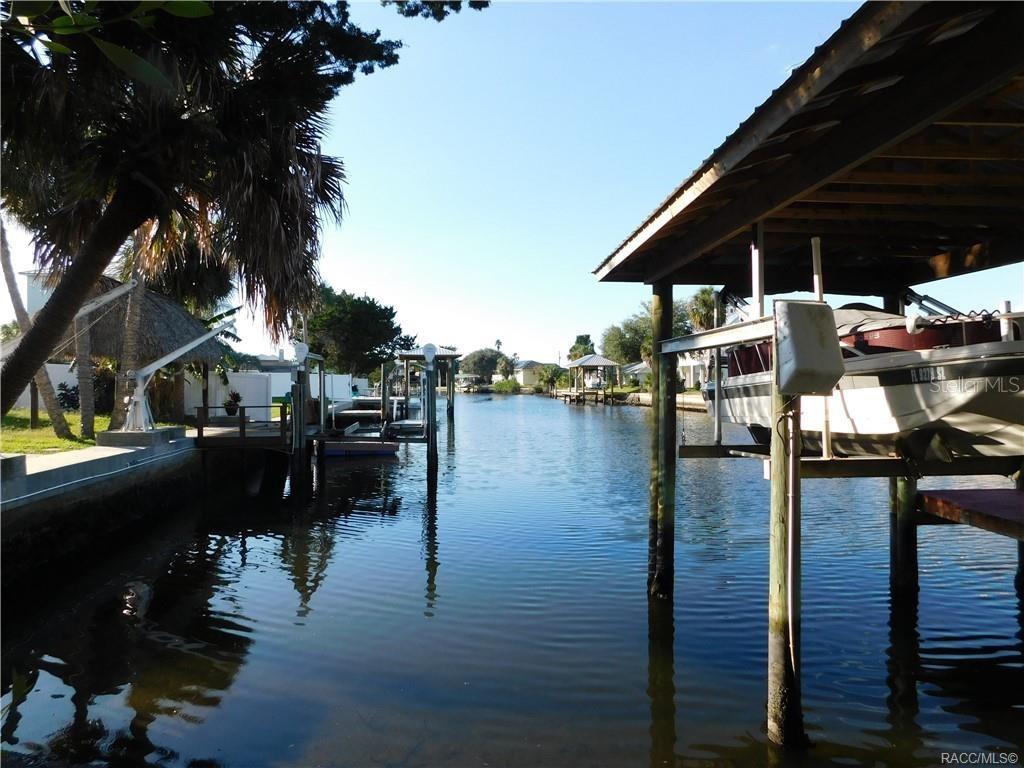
(203,417)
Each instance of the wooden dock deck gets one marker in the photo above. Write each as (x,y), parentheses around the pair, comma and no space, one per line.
(999,510)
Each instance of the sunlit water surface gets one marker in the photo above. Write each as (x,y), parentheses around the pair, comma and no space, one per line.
(504,621)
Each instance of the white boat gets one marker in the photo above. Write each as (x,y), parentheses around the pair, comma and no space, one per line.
(936,386)
(360,448)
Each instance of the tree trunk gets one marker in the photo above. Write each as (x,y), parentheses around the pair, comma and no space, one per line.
(42,378)
(130,350)
(83,364)
(131,205)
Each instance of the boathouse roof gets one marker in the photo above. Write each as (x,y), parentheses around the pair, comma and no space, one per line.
(898,142)
(593,361)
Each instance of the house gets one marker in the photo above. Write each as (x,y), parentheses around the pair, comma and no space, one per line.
(528,372)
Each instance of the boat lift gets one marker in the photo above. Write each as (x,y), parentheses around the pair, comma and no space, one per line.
(140,418)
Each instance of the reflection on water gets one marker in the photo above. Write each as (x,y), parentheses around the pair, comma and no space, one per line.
(494,612)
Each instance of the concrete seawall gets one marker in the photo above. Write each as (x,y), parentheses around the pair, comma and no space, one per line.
(57,507)
(685,401)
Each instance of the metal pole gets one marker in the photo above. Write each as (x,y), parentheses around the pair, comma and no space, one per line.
(819,292)
(430,415)
(716,374)
(322,381)
(757,271)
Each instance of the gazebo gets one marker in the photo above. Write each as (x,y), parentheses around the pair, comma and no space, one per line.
(164,327)
(592,372)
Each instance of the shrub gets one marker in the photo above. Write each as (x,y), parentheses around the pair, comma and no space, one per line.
(67,397)
(538,389)
(506,387)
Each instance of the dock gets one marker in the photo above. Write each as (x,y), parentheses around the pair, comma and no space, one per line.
(998,510)
(844,174)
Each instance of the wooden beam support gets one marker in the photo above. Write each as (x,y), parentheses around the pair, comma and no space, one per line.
(932,179)
(954,199)
(972,65)
(953,216)
(995,118)
(920,149)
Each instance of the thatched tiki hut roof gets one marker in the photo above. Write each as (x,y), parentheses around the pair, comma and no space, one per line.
(164,327)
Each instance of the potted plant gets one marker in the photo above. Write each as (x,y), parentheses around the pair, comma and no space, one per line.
(231,402)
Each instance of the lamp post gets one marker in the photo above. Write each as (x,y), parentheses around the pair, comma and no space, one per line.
(428,402)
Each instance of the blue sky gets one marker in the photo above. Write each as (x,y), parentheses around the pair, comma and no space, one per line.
(512,149)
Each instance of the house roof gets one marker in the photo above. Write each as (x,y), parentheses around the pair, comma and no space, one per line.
(898,142)
(524,364)
(636,369)
(592,361)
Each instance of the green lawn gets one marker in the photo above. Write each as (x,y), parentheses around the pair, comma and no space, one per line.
(16,437)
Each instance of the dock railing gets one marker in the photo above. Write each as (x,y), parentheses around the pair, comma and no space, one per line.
(714,339)
(203,418)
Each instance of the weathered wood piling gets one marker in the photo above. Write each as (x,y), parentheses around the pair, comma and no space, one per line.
(785,713)
(661,576)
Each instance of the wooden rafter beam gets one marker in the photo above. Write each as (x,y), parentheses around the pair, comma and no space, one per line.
(930,179)
(1003,118)
(935,232)
(953,216)
(917,149)
(959,199)
(965,68)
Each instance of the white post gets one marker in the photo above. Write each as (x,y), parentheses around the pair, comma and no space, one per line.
(716,375)
(819,286)
(757,272)
(819,293)
(1005,323)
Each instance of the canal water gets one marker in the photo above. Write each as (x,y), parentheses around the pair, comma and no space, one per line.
(500,618)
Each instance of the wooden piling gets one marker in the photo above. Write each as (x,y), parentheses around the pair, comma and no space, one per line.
(903,533)
(450,392)
(662,580)
(785,713)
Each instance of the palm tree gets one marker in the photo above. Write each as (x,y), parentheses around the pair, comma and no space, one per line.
(91,153)
(701,309)
(42,378)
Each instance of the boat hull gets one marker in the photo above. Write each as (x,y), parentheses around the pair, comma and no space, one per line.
(971,397)
(360,448)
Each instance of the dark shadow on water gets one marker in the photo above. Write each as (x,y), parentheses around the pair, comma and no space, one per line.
(107,645)
(430,547)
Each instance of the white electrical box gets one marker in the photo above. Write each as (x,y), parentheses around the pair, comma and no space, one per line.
(808,359)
